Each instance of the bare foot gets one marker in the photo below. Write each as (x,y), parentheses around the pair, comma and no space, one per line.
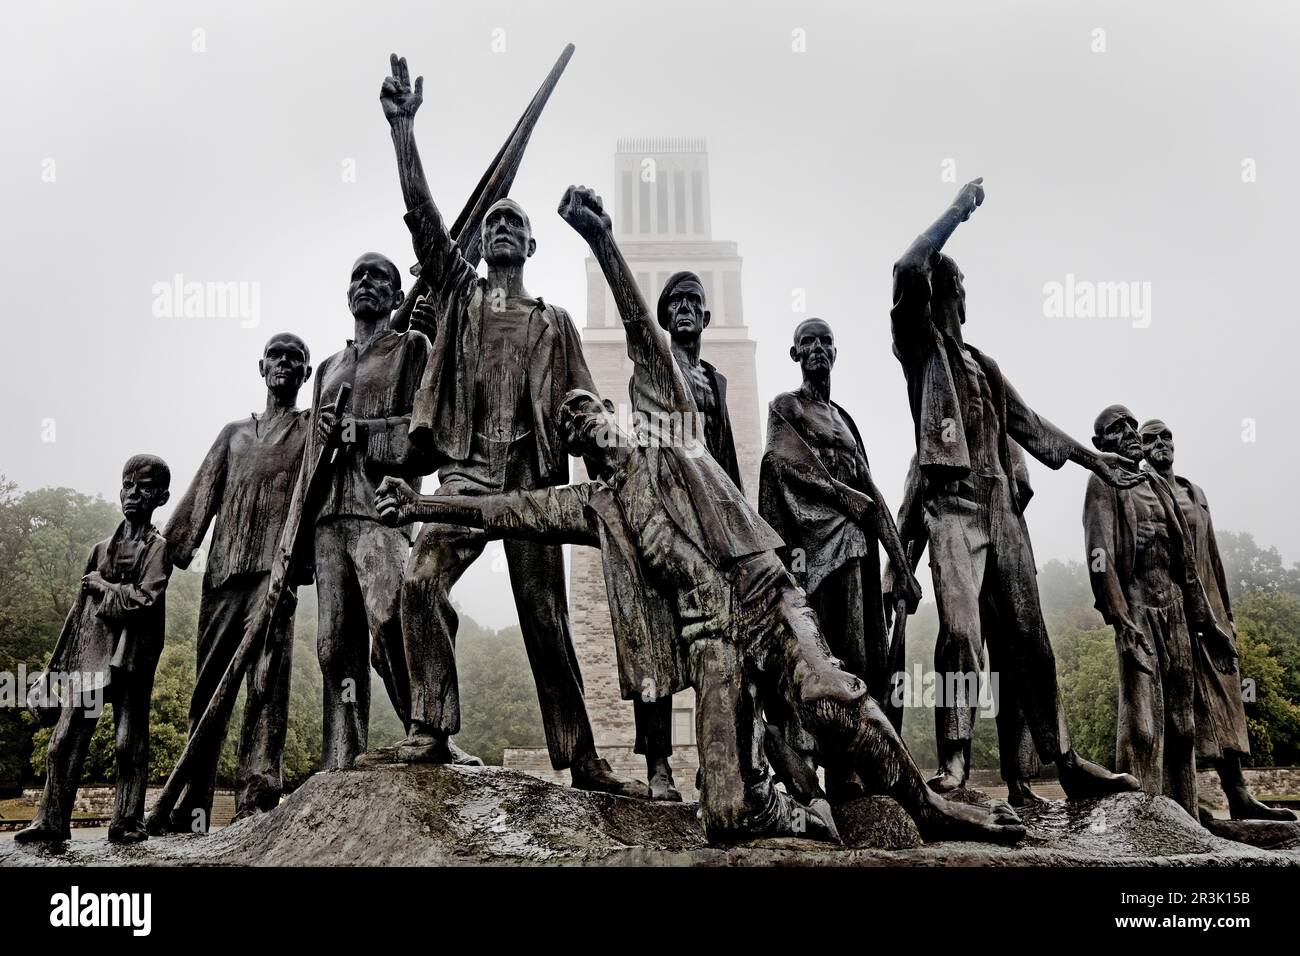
(1019,794)
(1081,779)
(953,770)
(129,833)
(159,824)
(1242,805)
(995,823)
(39,833)
(943,782)
(425,747)
(594,774)
(462,758)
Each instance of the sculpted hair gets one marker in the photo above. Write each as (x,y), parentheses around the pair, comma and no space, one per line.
(150,463)
(289,337)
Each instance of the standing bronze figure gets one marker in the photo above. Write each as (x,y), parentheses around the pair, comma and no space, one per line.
(683,312)
(1135,554)
(242,490)
(965,414)
(501,361)
(816,491)
(359,561)
(1017,755)
(1221,737)
(111,640)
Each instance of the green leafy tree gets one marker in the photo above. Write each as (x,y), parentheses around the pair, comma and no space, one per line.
(45,538)
(1087,670)
(1248,567)
(499,706)
(1268,632)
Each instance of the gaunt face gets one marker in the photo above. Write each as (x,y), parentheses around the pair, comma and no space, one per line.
(1158,444)
(587,425)
(284,363)
(687,316)
(375,288)
(144,489)
(814,347)
(1121,436)
(507,235)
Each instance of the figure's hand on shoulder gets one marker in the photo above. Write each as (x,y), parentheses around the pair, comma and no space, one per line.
(1116,470)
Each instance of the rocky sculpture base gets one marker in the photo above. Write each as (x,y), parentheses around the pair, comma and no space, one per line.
(418,815)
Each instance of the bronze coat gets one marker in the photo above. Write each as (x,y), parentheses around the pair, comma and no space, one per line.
(1220,711)
(121,633)
(443,414)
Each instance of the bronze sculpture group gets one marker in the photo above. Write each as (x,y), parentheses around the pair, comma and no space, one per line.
(778,617)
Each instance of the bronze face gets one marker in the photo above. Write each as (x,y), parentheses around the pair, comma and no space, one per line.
(507,235)
(814,347)
(375,288)
(145,483)
(687,316)
(285,363)
(1158,444)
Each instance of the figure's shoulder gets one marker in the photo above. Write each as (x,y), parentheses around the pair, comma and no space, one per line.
(558,313)
(416,342)
(238,426)
(1096,486)
(788,405)
(1195,490)
(327,362)
(714,371)
(298,423)
(982,358)
(100,548)
(156,549)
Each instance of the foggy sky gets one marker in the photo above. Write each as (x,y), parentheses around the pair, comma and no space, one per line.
(227,165)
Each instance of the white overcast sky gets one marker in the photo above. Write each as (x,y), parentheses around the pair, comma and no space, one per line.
(226,165)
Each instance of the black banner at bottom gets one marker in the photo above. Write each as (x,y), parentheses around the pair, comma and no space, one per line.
(338,905)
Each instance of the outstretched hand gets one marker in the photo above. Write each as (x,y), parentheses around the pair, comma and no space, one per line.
(1116,470)
(399,99)
(970,198)
(582,209)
